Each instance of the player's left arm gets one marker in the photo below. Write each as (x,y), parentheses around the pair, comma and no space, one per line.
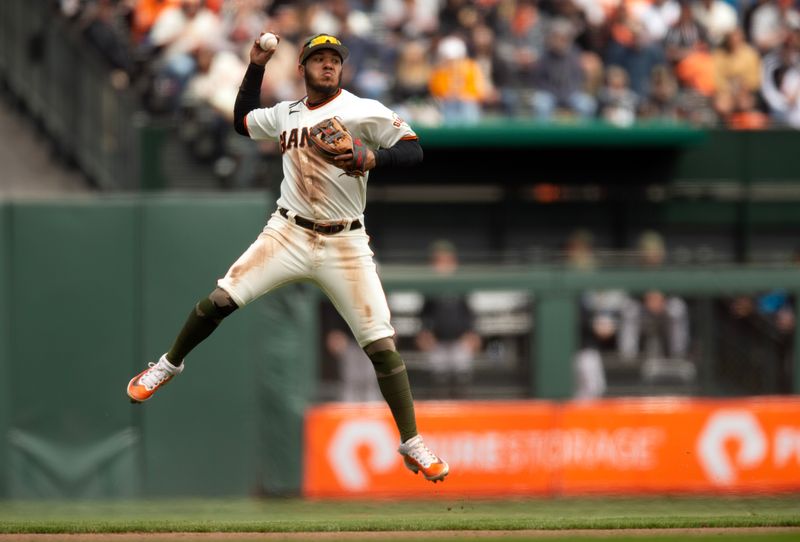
(394,141)
(405,152)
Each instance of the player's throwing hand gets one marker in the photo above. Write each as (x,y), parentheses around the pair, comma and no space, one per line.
(258,55)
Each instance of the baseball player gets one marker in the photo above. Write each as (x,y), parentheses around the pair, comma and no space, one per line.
(317,232)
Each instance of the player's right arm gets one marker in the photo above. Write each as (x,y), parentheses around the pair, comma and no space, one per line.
(249,96)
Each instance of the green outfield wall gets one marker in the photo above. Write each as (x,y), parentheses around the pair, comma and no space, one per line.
(5,338)
(73,269)
(96,287)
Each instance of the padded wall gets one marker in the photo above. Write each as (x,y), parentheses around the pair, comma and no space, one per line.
(73,307)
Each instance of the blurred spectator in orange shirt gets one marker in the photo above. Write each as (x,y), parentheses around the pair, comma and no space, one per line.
(696,70)
(458,82)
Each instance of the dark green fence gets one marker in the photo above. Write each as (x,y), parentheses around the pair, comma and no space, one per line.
(5,337)
(95,289)
(73,274)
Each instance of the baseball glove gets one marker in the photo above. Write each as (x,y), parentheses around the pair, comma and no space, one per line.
(331,138)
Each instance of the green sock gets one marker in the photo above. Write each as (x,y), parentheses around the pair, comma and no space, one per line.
(201,322)
(393,382)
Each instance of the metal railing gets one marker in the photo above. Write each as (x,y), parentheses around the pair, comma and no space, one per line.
(66,87)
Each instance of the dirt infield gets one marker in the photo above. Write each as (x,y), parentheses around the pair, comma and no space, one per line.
(387,535)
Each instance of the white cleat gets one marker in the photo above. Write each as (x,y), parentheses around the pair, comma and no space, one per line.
(417,457)
(145,384)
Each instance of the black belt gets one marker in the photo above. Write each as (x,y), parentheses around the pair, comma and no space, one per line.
(327,229)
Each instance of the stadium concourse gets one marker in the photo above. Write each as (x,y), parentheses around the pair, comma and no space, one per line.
(30,168)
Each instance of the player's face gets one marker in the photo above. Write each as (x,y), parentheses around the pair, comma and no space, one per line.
(323,71)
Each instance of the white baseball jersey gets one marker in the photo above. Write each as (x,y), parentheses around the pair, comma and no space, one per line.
(340,264)
(311,187)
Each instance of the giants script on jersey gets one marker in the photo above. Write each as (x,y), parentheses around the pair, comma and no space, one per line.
(292,141)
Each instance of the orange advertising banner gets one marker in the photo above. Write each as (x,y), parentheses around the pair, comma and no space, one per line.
(352,449)
(539,447)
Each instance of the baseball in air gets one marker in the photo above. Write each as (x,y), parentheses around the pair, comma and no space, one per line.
(268,41)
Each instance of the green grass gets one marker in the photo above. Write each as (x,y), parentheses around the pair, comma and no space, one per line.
(294,515)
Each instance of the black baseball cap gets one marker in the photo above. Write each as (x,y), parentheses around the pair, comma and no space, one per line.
(322,41)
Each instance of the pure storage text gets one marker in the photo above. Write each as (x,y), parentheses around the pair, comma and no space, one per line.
(624,448)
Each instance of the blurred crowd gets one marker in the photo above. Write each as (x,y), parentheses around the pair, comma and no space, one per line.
(727,63)
(652,336)
(711,63)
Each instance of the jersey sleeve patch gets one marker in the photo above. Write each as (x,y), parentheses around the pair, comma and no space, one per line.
(397,122)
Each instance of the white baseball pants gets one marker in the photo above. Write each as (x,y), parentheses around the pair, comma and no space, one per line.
(340,264)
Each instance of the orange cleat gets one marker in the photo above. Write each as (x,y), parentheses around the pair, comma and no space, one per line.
(418,458)
(144,385)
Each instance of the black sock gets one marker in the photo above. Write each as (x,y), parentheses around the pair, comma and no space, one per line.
(396,390)
(201,322)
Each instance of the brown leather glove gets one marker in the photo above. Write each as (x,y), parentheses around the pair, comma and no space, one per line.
(331,138)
